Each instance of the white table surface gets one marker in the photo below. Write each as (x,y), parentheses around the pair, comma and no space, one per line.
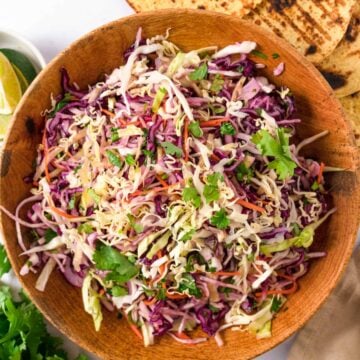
(51,25)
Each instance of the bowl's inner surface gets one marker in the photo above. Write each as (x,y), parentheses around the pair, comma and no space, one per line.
(100,52)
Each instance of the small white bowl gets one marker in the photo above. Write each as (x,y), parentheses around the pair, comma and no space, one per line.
(11,40)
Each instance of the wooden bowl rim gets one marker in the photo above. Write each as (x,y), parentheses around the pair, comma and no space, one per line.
(91,347)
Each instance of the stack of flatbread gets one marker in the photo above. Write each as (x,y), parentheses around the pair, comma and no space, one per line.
(327,32)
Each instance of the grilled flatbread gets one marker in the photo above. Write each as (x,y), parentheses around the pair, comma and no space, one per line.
(314,27)
(342,67)
(351,105)
(239,7)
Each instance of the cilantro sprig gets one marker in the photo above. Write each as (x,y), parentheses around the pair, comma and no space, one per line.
(211,189)
(171,149)
(121,269)
(200,73)
(278,148)
(220,219)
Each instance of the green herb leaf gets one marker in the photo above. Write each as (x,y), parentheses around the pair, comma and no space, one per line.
(158,99)
(161,293)
(62,103)
(190,194)
(275,55)
(171,149)
(227,129)
(136,226)
(119,291)
(195,129)
(4,261)
(220,219)
(113,158)
(211,189)
(85,228)
(49,235)
(187,282)
(214,309)
(80,357)
(77,169)
(187,236)
(259,54)
(108,258)
(217,84)
(244,173)
(279,149)
(115,134)
(240,69)
(130,160)
(149,154)
(296,229)
(200,73)
(275,305)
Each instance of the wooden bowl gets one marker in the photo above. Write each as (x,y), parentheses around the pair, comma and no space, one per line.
(96,54)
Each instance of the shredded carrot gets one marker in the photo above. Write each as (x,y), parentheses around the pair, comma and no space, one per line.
(161,181)
(249,205)
(183,335)
(214,158)
(154,189)
(101,292)
(320,177)
(107,112)
(47,175)
(122,122)
(150,302)
(62,213)
(227,273)
(213,123)
(175,296)
(136,330)
(186,136)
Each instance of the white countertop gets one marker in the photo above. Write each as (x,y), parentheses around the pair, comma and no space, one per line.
(51,25)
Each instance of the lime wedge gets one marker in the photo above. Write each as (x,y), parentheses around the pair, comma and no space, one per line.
(21,62)
(22,79)
(10,89)
(4,122)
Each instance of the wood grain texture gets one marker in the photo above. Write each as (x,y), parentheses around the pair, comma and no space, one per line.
(99,52)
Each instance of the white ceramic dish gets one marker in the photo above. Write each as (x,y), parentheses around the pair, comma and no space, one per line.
(11,40)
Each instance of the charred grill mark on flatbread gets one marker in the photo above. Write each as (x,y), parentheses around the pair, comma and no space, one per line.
(311,50)
(280,5)
(336,81)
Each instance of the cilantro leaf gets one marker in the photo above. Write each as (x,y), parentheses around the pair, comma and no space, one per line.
(188,235)
(227,129)
(200,73)
(119,291)
(149,153)
(171,149)
(23,332)
(4,261)
(277,147)
(190,194)
(243,172)
(315,186)
(240,69)
(50,234)
(61,104)
(187,282)
(130,160)
(220,219)
(276,304)
(161,294)
(113,158)
(275,55)
(195,129)
(108,258)
(259,54)
(217,84)
(115,134)
(211,189)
